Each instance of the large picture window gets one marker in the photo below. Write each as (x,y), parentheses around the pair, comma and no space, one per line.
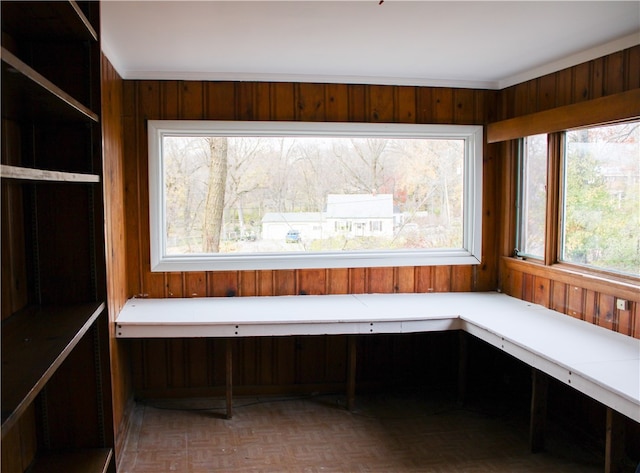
(276,195)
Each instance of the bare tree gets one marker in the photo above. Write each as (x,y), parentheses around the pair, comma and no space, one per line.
(214,205)
(364,163)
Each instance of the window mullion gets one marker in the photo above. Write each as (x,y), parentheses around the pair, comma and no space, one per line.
(554,197)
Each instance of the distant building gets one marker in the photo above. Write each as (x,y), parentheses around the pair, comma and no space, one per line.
(275,225)
(359,215)
(351,215)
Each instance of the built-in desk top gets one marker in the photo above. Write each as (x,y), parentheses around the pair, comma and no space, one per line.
(599,362)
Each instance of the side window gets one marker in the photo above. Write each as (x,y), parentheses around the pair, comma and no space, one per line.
(532,196)
(601,212)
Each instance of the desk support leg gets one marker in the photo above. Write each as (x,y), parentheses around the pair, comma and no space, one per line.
(229,377)
(614,448)
(351,371)
(539,390)
(462,367)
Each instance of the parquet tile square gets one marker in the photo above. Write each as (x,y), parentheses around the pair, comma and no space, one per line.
(400,434)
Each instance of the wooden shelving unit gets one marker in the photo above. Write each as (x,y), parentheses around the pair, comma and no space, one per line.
(56,396)
(33,95)
(29,174)
(39,338)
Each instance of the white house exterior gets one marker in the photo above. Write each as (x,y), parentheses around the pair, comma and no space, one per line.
(350,215)
(275,225)
(359,215)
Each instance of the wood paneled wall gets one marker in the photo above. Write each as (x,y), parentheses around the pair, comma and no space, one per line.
(115,248)
(146,100)
(607,75)
(192,365)
(589,297)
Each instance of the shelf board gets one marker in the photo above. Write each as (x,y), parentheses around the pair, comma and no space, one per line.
(31,174)
(34,96)
(80,461)
(35,342)
(47,21)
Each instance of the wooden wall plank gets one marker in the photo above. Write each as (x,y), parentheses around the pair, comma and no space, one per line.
(424,101)
(358,280)
(528,289)
(424,279)
(522,103)
(149,108)
(546,89)
(195,284)
(133,238)
(517,284)
(590,306)
(381,104)
(381,280)
(461,278)
(191,100)
(564,87)
(625,319)
(220,101)
(442,281)
(263,101)
(614,73)
(442,105)
(542,291)
(405,104)
(247,283)
(310,102)
(265,283)
(357,102)
(336,102)
(464,106)
(559,297)
(223,284)
(581,82)
(312,281)
(174,283)
(606,311)
(597,78)
(632,68)
(405,279)
(338,281)
(245,101)
(285,283)
(575,303)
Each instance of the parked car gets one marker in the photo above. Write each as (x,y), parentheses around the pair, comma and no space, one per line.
(293,236)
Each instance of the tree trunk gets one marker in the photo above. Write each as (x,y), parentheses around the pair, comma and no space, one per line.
(212,226)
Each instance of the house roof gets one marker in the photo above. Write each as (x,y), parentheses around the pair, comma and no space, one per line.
(359,206)
(292,217)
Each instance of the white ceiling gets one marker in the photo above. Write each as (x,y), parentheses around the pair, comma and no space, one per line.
(448,43)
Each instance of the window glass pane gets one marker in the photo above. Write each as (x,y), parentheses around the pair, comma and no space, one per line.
(602,198)
(533,195)
(275,192)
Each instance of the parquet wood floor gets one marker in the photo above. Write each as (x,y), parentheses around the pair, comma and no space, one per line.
(385,433)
